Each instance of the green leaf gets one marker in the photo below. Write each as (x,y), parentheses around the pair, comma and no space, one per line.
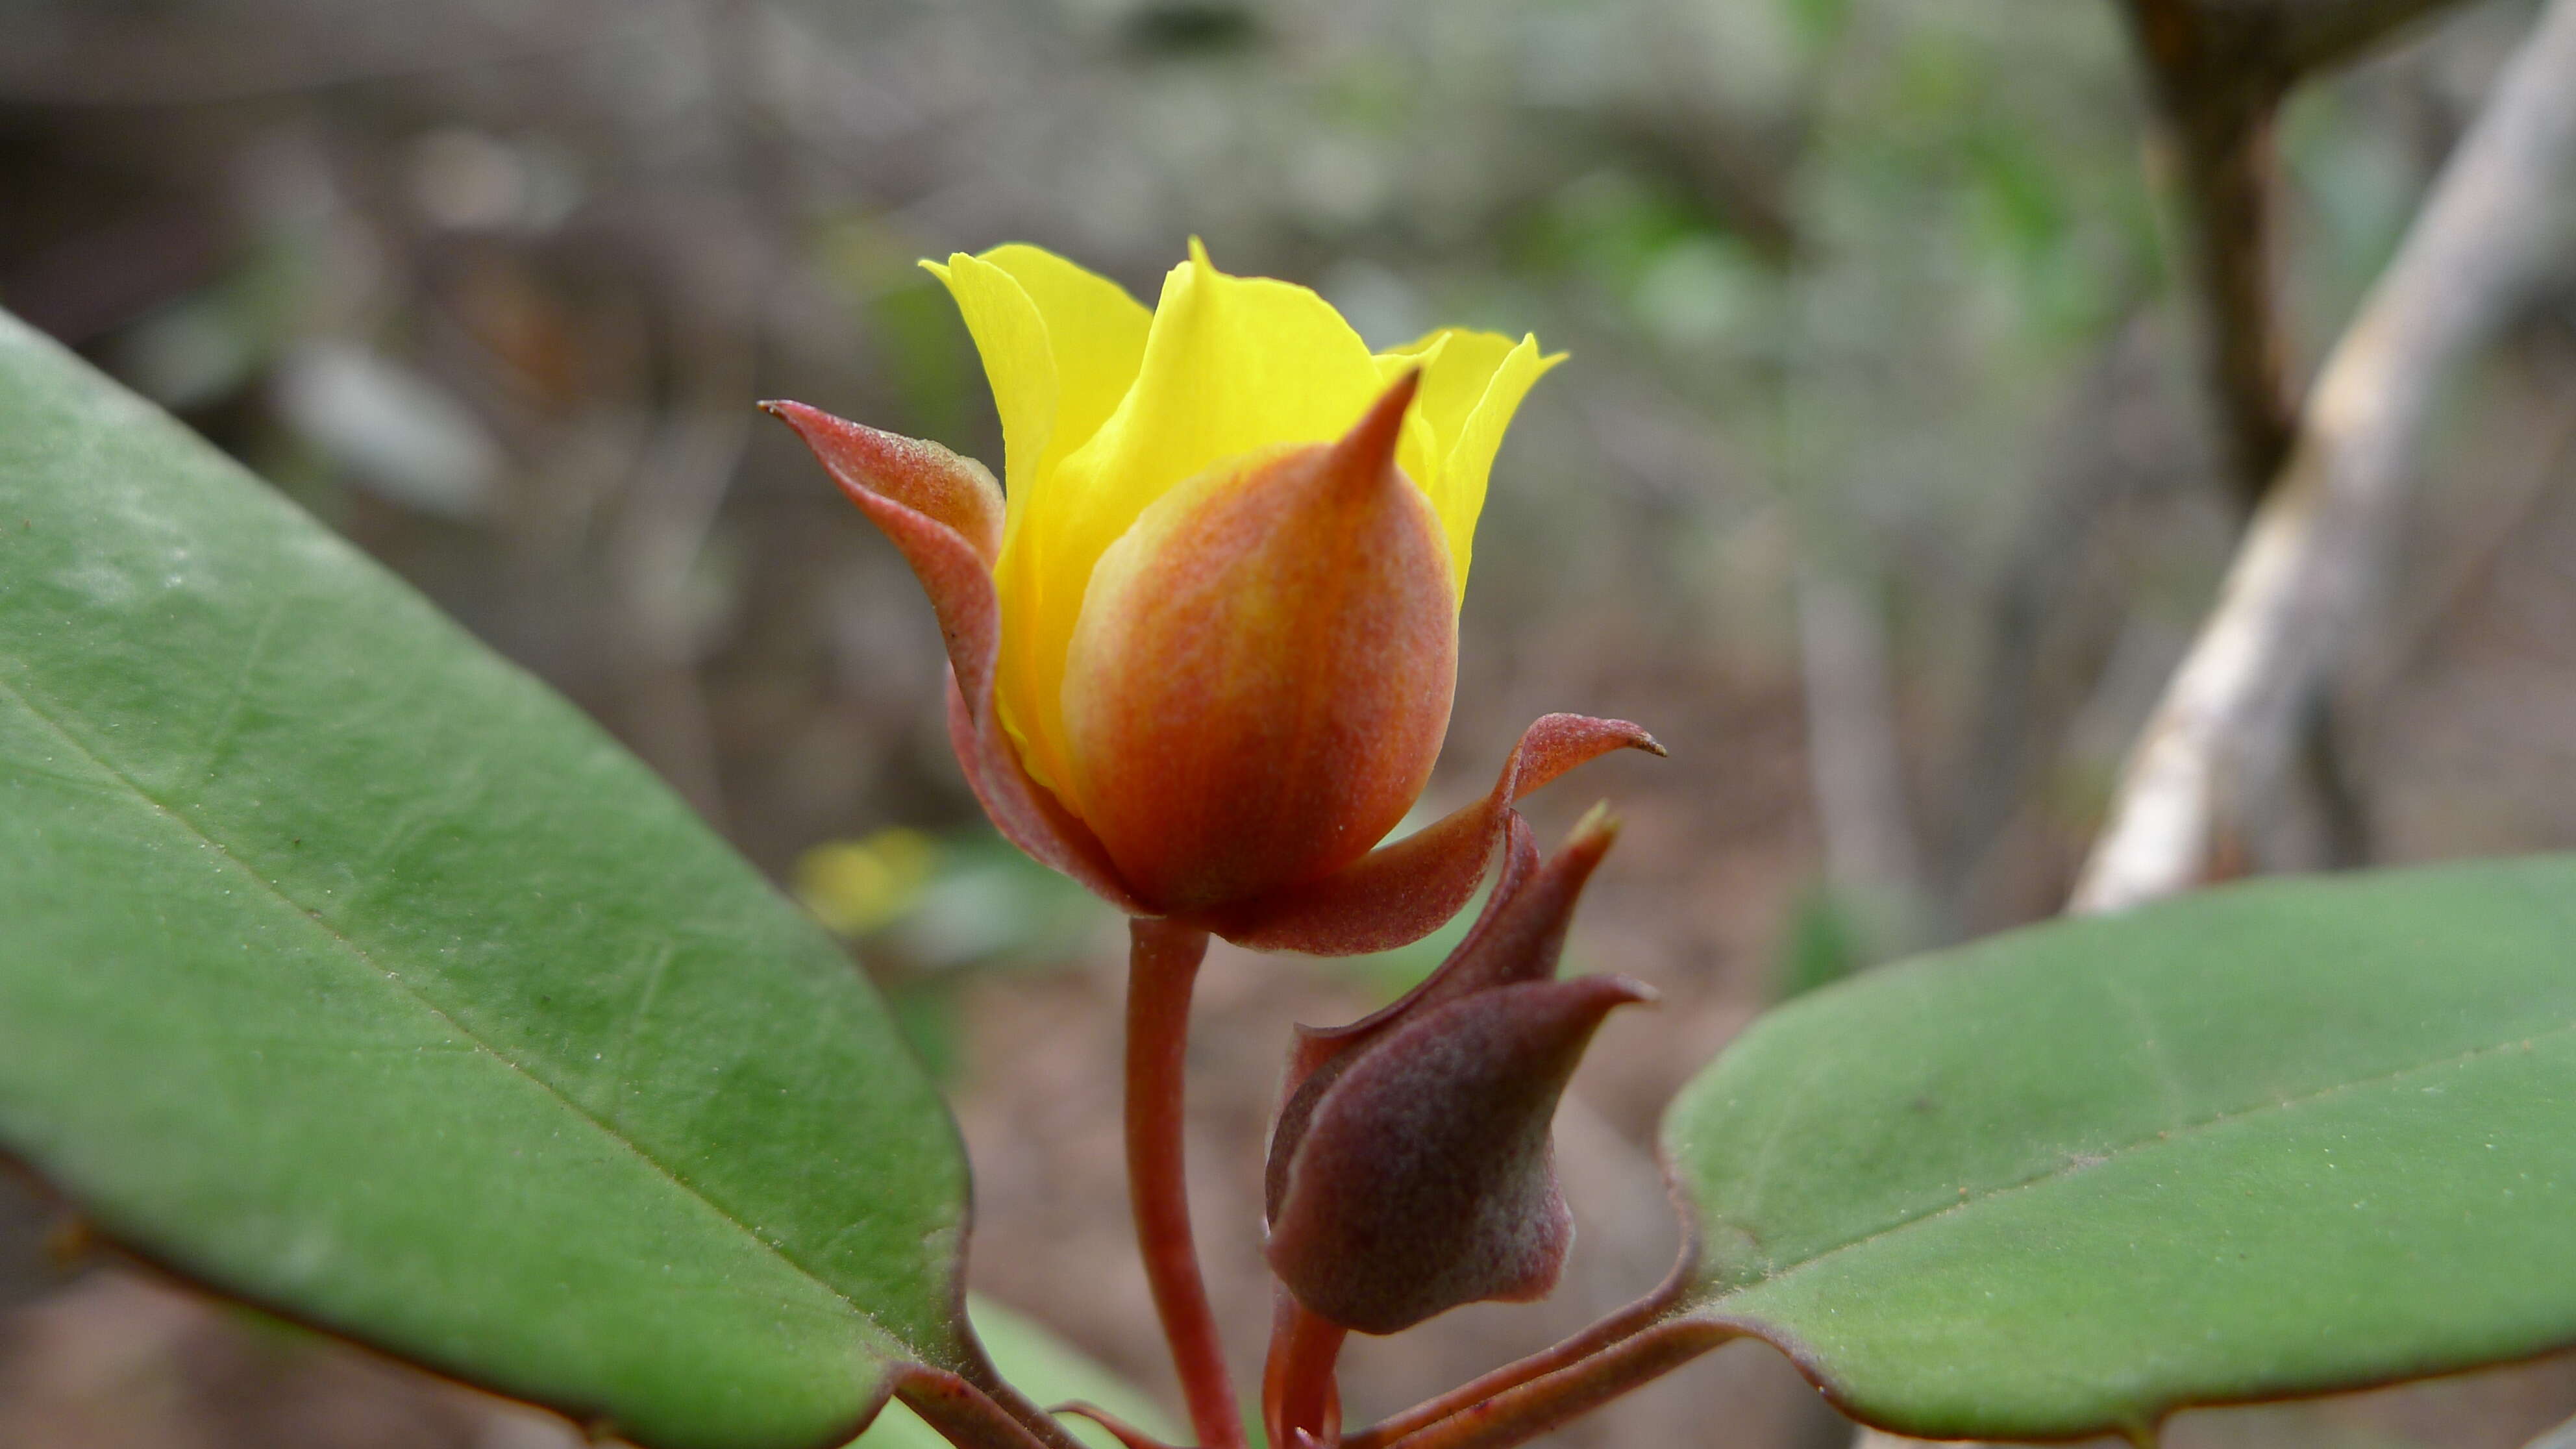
(346,969)
(2274,1139)
(1045,1368)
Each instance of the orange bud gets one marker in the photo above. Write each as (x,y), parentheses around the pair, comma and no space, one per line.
(1261,674)
(1207,696)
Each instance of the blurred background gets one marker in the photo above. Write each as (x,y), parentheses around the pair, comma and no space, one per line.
(1880,486)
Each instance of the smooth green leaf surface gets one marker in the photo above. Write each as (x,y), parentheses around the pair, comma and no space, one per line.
(1048,1370)
(2273,1139)
(347,969)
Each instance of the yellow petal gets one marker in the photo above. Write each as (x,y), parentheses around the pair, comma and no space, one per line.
(1457,365)
(1019,361)
(1472,383)
(1096,333)
(1060,346)
(1420,452)
(1232,365)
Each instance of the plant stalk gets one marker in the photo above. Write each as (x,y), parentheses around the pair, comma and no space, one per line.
(1520,1414)
(1298,1393)
(1163,965)
(1626,1322)
(961,1412)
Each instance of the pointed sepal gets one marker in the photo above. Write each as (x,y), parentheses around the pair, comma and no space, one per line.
(1399,893)
(949,489)
(944,514)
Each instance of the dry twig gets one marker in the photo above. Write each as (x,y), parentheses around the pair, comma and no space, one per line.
(2316,547)
(2220,69)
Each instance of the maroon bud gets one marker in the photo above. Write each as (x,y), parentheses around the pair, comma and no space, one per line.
(1424,1178)
(1410,1171)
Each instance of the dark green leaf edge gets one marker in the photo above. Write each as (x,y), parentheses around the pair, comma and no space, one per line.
(1698,1299)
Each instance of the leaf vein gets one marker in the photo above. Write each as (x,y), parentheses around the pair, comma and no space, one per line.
(27,701)
(2163,1137)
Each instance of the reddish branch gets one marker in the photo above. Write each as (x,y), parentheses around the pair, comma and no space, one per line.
(1624,1324)
(1298,1394)
(1164,964)
(1118,1429)
(1522,1413)
(965,1416)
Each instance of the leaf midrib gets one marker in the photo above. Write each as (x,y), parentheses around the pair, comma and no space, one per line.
(2165,1137)
(379,971)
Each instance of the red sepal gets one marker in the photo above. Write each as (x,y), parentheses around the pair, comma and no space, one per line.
(1399,893)
(944,514)
(1409,1168)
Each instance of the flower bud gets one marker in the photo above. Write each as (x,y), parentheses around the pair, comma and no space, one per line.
(1261,674)
(1410,1169)
(1202,656)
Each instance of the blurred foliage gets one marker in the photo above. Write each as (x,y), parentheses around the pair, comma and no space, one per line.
(1828,938)
(855,886)
(930,914)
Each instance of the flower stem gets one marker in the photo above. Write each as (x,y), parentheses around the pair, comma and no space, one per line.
(1117,1428)
(979,1374)
(1298,1394)
(961,1412)
(1520,1414)
(1163,964)
(1624,1323)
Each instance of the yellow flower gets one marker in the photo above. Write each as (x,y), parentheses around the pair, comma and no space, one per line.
(1204,645)
(1106,407)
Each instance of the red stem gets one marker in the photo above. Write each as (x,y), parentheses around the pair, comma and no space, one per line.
(1118,1428)
(1624,1323)
(1298,1393)
(1521,1414)
(979,1374)
(1163,963)
(961,1412)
